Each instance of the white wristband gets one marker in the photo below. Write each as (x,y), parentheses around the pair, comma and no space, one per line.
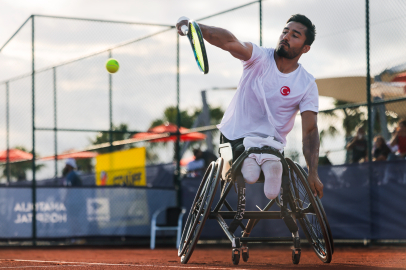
(183,18)
(184,29)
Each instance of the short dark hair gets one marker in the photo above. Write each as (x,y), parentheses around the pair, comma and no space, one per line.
(196,151)
(402,122)
(379,137)
(311,28)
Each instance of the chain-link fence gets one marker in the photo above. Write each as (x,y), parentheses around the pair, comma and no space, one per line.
(59,100)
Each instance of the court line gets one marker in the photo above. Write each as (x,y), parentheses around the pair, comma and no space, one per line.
(41,266)
(115,264)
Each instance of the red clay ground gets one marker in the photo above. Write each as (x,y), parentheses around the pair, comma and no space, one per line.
(204,257)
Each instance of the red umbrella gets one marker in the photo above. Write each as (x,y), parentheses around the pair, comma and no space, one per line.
(170,128)
(14,155)
(400,77)
(72,154)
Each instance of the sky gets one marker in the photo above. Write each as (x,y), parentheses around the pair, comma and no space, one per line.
(146,81)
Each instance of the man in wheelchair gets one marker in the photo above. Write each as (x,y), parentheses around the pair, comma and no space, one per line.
(273,88)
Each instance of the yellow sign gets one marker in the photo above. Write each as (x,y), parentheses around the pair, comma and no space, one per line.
(122,168)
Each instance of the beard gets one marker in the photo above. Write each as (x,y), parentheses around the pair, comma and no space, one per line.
(290,54)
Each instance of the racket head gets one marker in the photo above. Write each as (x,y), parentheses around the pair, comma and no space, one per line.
(196,41)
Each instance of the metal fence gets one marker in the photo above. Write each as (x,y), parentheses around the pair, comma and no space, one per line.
(58,96)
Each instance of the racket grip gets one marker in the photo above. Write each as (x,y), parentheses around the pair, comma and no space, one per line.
(184,29)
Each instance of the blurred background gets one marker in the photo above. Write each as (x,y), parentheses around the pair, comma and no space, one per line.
(118,132)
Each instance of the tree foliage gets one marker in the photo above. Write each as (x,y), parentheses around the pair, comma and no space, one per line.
(353,118)
(104,137)
(187,118)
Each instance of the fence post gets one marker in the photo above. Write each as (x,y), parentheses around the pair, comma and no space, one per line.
(8,132)
(177,147)
(370,128)
(368,81)
(111,107)
(34,199)
(260,22)
(55,126)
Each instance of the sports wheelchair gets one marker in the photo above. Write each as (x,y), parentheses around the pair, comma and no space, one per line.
(297,203)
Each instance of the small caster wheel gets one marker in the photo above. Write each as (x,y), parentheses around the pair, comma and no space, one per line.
(245,254)
(235,256)
(296,256)
(183,259)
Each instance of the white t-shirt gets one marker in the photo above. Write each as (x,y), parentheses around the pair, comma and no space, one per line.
(267,100)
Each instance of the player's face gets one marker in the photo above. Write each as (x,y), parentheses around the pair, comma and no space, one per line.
(291,41)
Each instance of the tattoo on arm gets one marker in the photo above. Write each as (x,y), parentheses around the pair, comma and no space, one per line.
(311,145)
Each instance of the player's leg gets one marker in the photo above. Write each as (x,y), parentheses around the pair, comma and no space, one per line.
(273,177)
(250,170)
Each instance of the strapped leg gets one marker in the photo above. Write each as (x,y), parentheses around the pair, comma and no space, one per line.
(240,204)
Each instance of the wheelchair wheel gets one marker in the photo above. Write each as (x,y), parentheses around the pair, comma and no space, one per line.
(296,256)
(235,256)
(191,219)
(245,254)
(322,211)
(313,223)
(200,210)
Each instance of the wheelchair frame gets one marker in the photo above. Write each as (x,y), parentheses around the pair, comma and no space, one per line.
(294,194)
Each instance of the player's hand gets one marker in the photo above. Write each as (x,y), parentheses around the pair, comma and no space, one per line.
(182,21)
(315,185)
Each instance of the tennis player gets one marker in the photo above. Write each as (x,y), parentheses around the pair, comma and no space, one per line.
(271,91)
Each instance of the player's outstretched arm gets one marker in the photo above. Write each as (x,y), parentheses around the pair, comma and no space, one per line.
(311,145)
(223,39)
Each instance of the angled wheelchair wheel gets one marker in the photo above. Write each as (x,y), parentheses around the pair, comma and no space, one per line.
(191,222)
(195,210)
(200,210)
(313,222)
(322,211)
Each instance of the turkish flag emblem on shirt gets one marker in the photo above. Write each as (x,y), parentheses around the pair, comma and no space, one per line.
(285,90)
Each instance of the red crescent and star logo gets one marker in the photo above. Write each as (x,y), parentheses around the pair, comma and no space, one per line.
(285,91)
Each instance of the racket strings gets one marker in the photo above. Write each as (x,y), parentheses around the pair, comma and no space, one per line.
(197,48)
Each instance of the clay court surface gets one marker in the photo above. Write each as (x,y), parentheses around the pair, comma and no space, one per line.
(204,257)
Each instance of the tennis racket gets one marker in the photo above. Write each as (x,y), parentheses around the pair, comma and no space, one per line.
(196,41)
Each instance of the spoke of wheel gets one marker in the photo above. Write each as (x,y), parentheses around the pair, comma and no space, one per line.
(303,201)
(201,206)
(318,241)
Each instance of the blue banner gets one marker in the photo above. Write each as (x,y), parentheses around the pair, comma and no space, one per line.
(73,212)
(362,201)
(355,207)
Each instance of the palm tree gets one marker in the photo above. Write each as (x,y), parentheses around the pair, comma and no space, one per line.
(353,118)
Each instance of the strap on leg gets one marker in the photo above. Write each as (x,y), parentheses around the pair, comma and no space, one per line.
(287,218)
(240,204)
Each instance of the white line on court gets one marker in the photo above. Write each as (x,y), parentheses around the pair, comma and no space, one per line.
(80,264)
(41,266)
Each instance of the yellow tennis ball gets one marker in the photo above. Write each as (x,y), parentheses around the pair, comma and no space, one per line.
(112,65)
